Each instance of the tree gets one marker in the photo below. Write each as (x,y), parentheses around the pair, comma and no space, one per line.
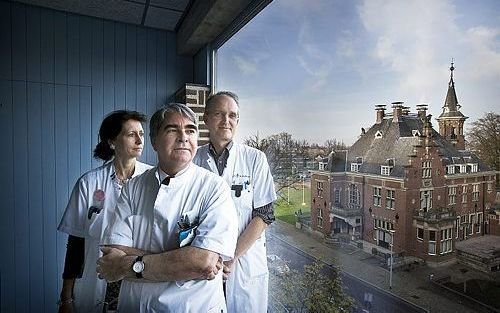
(334,145)
(483,139)
(312,291)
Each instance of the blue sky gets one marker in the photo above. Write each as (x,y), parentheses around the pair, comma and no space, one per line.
(316,68)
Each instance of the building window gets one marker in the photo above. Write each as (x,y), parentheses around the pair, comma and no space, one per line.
(473,168)
(464,193)
(432,242)
(320,189)
(336,196)
(377,196)
(355,167)
(420,233)
(452,192)
(446,241)
(463,168)
(490,187)
(320,218)
(472,221)
(426,200)
(353,195)
(426,169)
(457,226)
(385,170)
(450,169)
(479,222)
(390,199)
(475,192)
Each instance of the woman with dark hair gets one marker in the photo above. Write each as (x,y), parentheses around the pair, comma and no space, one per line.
(91,204)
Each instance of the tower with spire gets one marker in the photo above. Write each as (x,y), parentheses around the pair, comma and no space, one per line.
(451,121)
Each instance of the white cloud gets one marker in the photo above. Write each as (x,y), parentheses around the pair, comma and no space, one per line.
(313,58)
(246,66)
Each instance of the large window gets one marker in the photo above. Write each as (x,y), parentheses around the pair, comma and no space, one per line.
(320,189)
(452,193)
(377,196)
(475,192)
(420,233)
(336,196)
(464,193)
(353,195)
(390,199)
(432,242)
(446,241)
(426,200)
(426,169)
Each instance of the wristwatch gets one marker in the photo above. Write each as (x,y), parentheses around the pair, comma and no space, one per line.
(138,267)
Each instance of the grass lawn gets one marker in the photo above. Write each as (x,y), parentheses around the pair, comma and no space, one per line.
(285,211)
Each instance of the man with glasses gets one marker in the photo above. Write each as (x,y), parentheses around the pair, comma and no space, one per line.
(247,173)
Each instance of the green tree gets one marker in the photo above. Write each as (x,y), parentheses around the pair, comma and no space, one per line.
(313,291)
(483,139)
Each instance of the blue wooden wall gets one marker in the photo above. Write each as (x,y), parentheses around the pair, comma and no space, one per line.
(59,75)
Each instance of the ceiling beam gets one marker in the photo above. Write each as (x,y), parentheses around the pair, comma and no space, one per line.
(205,21)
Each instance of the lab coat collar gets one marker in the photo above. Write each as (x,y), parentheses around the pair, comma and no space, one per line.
(175,180)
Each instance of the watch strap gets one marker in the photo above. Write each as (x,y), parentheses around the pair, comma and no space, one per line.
(139,259)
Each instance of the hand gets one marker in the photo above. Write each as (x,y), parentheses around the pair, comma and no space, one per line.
(113,265)
(65,308)
(213,273)
(228,268)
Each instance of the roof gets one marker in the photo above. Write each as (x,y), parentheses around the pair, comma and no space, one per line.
(392,143)
(486,246)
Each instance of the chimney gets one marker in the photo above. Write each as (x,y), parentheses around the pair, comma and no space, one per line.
(397,111)
(380,108)
(422,111)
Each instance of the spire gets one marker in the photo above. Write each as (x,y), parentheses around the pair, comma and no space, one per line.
(451,106)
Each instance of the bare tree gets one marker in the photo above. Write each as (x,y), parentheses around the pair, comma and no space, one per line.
(333,145)
(313,291)
(484,139)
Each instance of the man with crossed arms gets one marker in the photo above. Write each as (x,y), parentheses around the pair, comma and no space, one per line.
(142,244)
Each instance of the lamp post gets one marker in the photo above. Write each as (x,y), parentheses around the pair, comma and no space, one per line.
(392,231)
(303,190)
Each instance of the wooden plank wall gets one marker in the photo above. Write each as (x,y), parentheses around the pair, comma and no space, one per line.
(60,74)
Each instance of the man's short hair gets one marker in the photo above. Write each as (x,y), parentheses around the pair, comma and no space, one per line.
(160,115)
(211,99)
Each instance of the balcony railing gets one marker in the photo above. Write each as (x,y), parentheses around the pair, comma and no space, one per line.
(434,215)
(349,211)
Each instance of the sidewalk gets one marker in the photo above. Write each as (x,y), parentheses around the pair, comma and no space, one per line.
(413,286)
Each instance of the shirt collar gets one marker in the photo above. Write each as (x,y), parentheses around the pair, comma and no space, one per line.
(213,152)
(161,175)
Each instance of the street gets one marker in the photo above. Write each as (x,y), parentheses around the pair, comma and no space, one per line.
(368,297)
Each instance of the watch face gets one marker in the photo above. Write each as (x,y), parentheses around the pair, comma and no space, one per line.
(138,267)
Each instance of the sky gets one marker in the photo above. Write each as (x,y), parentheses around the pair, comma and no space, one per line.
(317,68)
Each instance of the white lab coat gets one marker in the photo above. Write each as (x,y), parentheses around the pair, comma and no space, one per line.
(247,286)
(146,218)
(89,290)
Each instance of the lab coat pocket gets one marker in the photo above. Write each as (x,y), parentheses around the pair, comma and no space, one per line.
(254,263)
(244,203)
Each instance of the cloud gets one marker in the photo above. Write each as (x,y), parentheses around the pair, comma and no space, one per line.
(246,66)
(313,58)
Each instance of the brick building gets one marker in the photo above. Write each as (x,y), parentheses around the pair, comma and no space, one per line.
(402,182)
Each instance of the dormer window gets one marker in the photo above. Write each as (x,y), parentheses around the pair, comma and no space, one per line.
(415,133)
(359,160)
(473,167)
(355,167)
(450,169)
(463,168)
(378,134)
(385,170)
